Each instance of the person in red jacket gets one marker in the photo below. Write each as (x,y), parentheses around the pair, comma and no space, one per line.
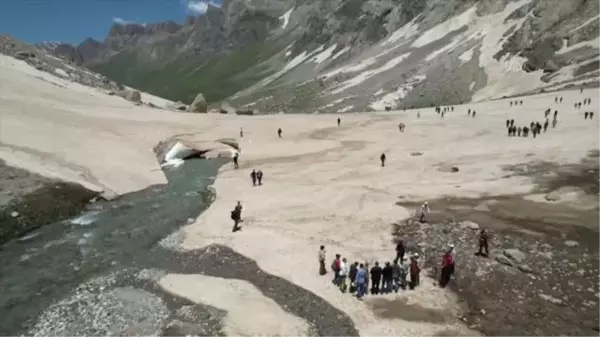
(415,271)
(447,268)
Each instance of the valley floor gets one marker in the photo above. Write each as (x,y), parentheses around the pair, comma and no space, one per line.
(324,185)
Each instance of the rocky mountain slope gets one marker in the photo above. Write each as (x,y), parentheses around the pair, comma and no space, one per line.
(362,55)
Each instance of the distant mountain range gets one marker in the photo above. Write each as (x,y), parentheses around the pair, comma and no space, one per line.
(353,55)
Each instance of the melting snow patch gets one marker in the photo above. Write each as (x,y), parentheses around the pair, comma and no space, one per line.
(286,18)
(61,72)
(472,86)
(446,27)
(379,92)
(288,53)
(324,55)
(337,101)
(391,99)
(352,69)
(407,31)
(369,73)
(343,50)
(466,56)
(348,108)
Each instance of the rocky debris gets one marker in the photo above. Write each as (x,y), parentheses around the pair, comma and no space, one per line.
(524,274)
(199,104)
(131,95)
(40,59)
(177,106)
(448,168)
(227,108)
(469,224)
(414,154)
(245,112)
(565,193)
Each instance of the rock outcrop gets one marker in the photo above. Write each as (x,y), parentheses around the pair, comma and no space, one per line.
(199,104)
(131,95)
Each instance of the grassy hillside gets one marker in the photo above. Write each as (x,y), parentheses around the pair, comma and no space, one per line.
(217,78)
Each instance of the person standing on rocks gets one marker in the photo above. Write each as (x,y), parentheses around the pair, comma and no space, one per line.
(396,274)
(259,176)
(360,281)
(382,158)
(279,131)
(236,157)
(400,250)
(424,211)
(388,277)
(376,272)
(236,216)
(415,271)
(253,177)
(447,268)
(322,254)
(339,121)
(483,243)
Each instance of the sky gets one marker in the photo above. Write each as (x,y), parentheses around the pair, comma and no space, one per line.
(73,21)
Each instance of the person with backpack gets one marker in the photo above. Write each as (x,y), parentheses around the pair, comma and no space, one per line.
(335,267)
(236,216)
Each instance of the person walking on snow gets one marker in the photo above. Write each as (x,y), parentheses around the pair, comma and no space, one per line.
(382,158)
(253,177)
(279,132)
(322,253)
(259,176)
(361,281)
(424,211)
(236,157)
(339,121)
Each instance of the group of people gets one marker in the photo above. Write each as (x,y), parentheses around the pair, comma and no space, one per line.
(256,177)
(515,103)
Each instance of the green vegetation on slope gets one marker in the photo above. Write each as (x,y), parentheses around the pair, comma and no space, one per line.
(217,78)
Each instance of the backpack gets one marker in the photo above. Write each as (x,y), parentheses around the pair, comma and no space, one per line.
(232,215)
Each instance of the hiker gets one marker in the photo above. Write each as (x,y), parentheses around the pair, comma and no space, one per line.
(585,115)
(560,99)
(343,274)
(339,121)
(382,158)
(236,216)
(473,114)
(507,123)
(521,103)
(401,126)
(424,211)
(279,132)
(483,243)
(447,268)
(519,131)
(555,99)
(451,108)
(525,131)
(554,121)
(236,156)
(469,112)
(400,249)
(376,272)
(591,114)
(509,131)
(555,113)
(579,105)
(259,176)
(335,267)
(538,126)
(361,281)
(511,103)
(396,275)
(241,132)
(418,114)
(352,276)
(387,276)
(414,271)
(546,113)
(367,277)
(546,124)
(322,254)
(253,177)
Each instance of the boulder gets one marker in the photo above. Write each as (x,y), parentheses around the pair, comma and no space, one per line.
(199,104)
(133,96)
(504,260)
(525,268)
(571,243)
(178,106)
(514,254)
(469,224)
(227,108)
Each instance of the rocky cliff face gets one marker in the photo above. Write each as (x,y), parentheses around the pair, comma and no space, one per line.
(289,56)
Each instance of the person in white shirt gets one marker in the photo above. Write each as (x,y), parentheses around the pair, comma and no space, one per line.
(343,274)
(424,211)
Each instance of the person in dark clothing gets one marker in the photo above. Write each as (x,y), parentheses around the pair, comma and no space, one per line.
(414,271)
(521,103)
(512,122)
(447,268)
(339,121)
(511,103)
(546,125)
(236,216)
(253,177)
(259,176)
(241,132)
(519,129)
(483,243)
(387,276)
(279,132)
(352,276)
(585,115)
(525,131)
(555,113)
(335,267)
(400,250)
(322,253)
(591,115)
(382,158)
(579,105)
(538,126)
(473,114)
(236,156)
(508,123)
(376,272)
(560,100)
(469,112)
